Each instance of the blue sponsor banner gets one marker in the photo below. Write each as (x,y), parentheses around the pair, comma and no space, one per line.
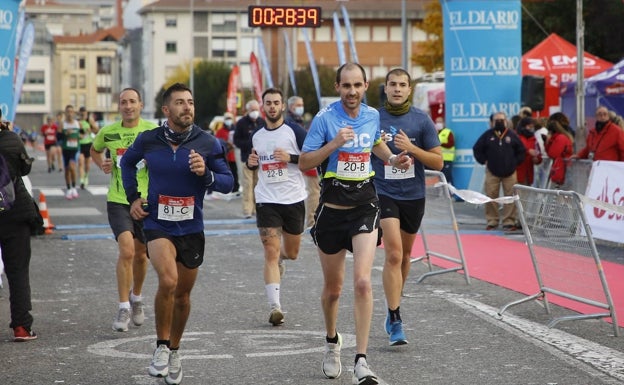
(483,71)
(9,17)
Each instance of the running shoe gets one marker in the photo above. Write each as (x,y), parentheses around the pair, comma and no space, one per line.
(362,375)
(138,313)
(74,193)
(174,376)
(69,194)
(122,320)
(159,367)
(397,337)
(332,368)
(276,317)
(21,334)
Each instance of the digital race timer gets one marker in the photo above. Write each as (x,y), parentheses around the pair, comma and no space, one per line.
(278,16)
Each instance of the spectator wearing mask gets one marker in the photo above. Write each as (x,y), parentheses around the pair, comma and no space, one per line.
(501,151)
(526,133)
(605,141)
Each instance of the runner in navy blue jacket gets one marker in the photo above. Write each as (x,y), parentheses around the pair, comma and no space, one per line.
(182,163)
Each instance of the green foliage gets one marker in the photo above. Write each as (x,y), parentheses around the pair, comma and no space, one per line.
(305,86)
(604,30)
(210,90)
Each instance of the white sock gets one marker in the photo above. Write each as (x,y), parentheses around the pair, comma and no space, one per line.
(124,305)
(136,298)
(273,294)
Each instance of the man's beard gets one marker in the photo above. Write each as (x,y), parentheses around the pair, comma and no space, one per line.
(275,119)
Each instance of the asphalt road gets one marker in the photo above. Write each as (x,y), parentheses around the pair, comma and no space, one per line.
(454,334)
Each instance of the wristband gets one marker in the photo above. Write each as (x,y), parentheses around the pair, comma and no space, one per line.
(391,159)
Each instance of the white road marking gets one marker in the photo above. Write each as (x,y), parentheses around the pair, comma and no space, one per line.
(253,339)
(601,359)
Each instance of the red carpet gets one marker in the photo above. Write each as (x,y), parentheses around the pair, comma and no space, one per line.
(507,263)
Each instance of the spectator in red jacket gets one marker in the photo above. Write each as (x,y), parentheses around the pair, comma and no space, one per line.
(559,149)
(526,133)
(605,141)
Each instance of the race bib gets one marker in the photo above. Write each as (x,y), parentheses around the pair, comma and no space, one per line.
(275,172)
(72,143)
(391,172)
(175,209)
(353,165)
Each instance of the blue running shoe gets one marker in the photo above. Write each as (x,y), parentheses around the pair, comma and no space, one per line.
(397,337)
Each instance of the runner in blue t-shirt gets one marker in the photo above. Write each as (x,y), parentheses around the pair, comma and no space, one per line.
(342,137)
(402,192)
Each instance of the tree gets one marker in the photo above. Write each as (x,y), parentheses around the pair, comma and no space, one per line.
(604,30)
(430,53)
(305,86)
(210,89)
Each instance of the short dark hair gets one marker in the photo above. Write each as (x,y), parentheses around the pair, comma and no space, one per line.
(132,89)
(349,66)
(273,90)
(176,87)
(399,72)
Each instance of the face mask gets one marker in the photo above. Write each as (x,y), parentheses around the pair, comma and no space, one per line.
(254,115)
(439,126)
(499,126)
(227,122)
(299,111)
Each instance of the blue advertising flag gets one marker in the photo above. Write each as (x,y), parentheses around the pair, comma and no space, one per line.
(25,48)
(9,17)
(483,71)
(313,69)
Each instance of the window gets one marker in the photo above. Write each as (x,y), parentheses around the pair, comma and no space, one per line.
(82,63)
(380,33)
(104,65)
(171,47)
(243,22)
(361,34)
(322,34)
(72,62)
(32,97)
(200,47)
(223,47)
(82,82)
(72,99)
(200,21)
(223,22)
(171,22)
(396,33)
(72,81)
(34,77)
(82,100)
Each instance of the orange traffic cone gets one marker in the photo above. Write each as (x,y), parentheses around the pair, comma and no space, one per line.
(43,209)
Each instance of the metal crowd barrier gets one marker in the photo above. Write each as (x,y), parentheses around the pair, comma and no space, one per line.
(563,252)
(439,229)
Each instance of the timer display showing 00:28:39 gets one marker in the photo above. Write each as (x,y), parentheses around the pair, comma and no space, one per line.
(277,16)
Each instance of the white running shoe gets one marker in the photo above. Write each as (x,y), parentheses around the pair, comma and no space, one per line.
(69,195)
(159,367)
(332,368)
(122,320)
(138,313)
(362,375)
(174,376)
(74,193)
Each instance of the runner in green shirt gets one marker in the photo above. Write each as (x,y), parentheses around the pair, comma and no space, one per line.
(132,262)
(70,134)
(88,129)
